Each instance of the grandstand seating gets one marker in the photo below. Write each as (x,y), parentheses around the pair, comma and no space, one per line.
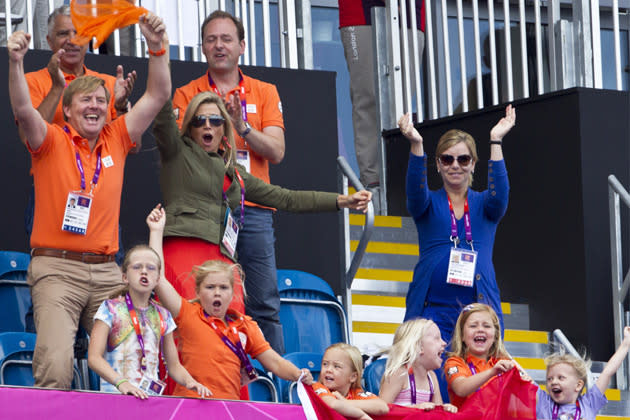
(15,297)
(308,304)
(13,265)
(287,390)
(263,388)
(372,375)
(16,358)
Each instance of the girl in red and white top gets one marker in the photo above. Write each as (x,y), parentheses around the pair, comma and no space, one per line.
(339,384)
(409,378)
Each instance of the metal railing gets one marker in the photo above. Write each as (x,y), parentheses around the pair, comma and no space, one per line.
(620,283)
(368,227)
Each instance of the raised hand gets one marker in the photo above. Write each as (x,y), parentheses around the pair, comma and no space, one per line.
(407,129)
(156,219)
(123,87)
(504,125)
(233,106)
(54,69)
(17,44)
(153,28)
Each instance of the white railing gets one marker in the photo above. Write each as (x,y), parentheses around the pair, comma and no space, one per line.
(620,283)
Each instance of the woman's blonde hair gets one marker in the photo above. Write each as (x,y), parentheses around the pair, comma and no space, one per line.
(125,266)
(458,347)
(453,137)
(355,357)
(227,142)
(406,345)
(234,272)
(581,365)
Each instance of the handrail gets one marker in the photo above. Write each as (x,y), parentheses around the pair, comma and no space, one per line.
(620,285)
(368,227)
(559,335)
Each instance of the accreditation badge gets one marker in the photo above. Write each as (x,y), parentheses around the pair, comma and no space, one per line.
(242,158)
(151,386)
(77,214)
(461,267)
(230,236)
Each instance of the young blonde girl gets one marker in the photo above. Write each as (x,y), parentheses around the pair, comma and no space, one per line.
(339,384)
(409,379)
(566,378)
(131,330)
(214,340)
(477,352)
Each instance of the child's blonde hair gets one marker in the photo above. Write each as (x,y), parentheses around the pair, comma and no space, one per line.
(232,271)
(355,357)
(579,364)
(406,345)
(458,347)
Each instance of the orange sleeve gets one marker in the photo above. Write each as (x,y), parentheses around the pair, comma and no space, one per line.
(360,394)
(321,390)
(271,114)
(455,367)
(256,343)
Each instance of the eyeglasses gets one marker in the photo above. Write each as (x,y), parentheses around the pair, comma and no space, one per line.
(463,160)
(200,120)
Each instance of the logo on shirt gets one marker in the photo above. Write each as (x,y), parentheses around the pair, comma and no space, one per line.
(452,371)
(280,106)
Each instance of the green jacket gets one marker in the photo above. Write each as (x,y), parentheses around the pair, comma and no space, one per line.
(192,184)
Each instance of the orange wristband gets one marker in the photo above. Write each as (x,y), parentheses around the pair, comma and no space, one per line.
(157,53)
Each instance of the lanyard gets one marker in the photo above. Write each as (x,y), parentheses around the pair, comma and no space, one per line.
(412,387)
(97,171)
(136,326)
(241,89)
(472,368)
(240,181)
(454,234)
(237,349)
(556,408)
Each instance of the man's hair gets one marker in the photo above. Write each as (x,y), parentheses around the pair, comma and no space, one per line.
(220,14)
(83,84)
(59,11)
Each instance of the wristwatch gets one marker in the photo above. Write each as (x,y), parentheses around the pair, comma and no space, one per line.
(245,132)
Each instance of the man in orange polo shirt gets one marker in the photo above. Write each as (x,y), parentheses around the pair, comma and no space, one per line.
(73,270)
(46,91)
(256,113)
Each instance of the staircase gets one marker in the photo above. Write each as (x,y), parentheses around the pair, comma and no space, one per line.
(378,304)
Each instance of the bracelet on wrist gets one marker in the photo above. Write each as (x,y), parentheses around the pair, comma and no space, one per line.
(499,142)
(122,381)
(157,53)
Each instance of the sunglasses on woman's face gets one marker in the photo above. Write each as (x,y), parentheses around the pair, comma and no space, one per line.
(463,160)
(200,120)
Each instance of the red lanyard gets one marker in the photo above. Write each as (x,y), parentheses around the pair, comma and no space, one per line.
(240,181)
(241,89)
(136,327)
(454,233)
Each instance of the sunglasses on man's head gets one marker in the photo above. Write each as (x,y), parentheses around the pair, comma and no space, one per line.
(200,120)
(463,160)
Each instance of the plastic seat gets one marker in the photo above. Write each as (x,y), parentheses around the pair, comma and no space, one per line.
(14,265)
(307,305)
(262,389)
(15,301)
(288,389)
(372,375)
(16,358)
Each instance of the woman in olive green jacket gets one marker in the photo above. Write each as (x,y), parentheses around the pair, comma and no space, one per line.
(202,185)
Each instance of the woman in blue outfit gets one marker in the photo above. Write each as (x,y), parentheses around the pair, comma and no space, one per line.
(456,225)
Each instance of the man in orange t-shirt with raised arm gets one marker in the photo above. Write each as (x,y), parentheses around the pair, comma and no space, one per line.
(256,113)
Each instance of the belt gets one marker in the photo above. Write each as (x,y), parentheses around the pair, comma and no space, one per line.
(85,257)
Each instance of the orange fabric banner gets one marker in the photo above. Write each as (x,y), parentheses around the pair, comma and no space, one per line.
(99,18)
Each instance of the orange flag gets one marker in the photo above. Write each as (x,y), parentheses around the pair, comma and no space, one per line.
(99,18)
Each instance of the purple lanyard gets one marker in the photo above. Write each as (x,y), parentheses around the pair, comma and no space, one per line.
(467,226)
(97,171)
(237,349)
(472,368)
(136,326)
(412,387)
(240,181)
(556,408)
(241,88)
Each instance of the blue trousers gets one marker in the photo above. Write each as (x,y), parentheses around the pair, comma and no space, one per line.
(257,255)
